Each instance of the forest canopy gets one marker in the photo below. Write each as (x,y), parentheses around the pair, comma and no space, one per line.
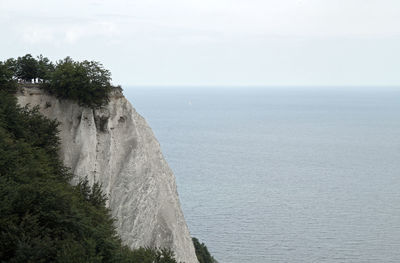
(88,83)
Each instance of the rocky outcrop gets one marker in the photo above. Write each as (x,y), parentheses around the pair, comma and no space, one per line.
(115,146)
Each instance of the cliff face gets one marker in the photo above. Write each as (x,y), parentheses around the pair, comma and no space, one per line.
(115,146)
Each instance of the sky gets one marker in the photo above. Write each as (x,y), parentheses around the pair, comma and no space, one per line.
(214,42)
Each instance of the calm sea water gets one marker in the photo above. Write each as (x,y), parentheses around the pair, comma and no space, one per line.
(284,175)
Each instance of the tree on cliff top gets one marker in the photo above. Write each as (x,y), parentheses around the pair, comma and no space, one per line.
(7,83)
(45,68)
(27,67)
(87,82)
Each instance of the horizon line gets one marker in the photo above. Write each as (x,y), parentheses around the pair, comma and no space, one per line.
(254,86)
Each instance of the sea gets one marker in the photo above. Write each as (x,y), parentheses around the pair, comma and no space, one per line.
(284,174)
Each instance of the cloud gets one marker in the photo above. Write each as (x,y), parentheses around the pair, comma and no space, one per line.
(66,33)
(106,30)
(304,18)
(38,34)
(214,41)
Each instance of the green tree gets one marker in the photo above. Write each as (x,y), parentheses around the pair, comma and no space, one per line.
(202,253)
(45,68)
(11,65)
(27,67)
(7,83)
(87,83)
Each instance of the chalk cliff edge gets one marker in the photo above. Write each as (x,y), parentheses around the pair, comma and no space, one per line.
(115,146)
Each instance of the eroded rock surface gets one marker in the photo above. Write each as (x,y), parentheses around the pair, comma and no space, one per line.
(115,146)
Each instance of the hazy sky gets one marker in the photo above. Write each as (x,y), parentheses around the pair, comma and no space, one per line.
(214,42)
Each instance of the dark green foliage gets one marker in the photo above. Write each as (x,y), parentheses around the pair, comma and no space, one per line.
(87,83)
(146,255)
(42,217)
(202,252)
(45,68)
(7,82)
(11,64)
(94,194)
(27,67)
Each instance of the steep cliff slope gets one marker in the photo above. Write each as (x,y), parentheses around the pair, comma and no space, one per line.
(115,146)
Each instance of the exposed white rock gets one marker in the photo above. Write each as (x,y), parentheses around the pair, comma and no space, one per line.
(115,146)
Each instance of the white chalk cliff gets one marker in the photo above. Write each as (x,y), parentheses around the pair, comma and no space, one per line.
(115,146)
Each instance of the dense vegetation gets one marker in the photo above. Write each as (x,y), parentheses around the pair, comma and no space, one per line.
(42,217)
(202,253)
(87,82)
(7,82)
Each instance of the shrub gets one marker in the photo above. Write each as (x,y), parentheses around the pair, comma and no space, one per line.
(202,253)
